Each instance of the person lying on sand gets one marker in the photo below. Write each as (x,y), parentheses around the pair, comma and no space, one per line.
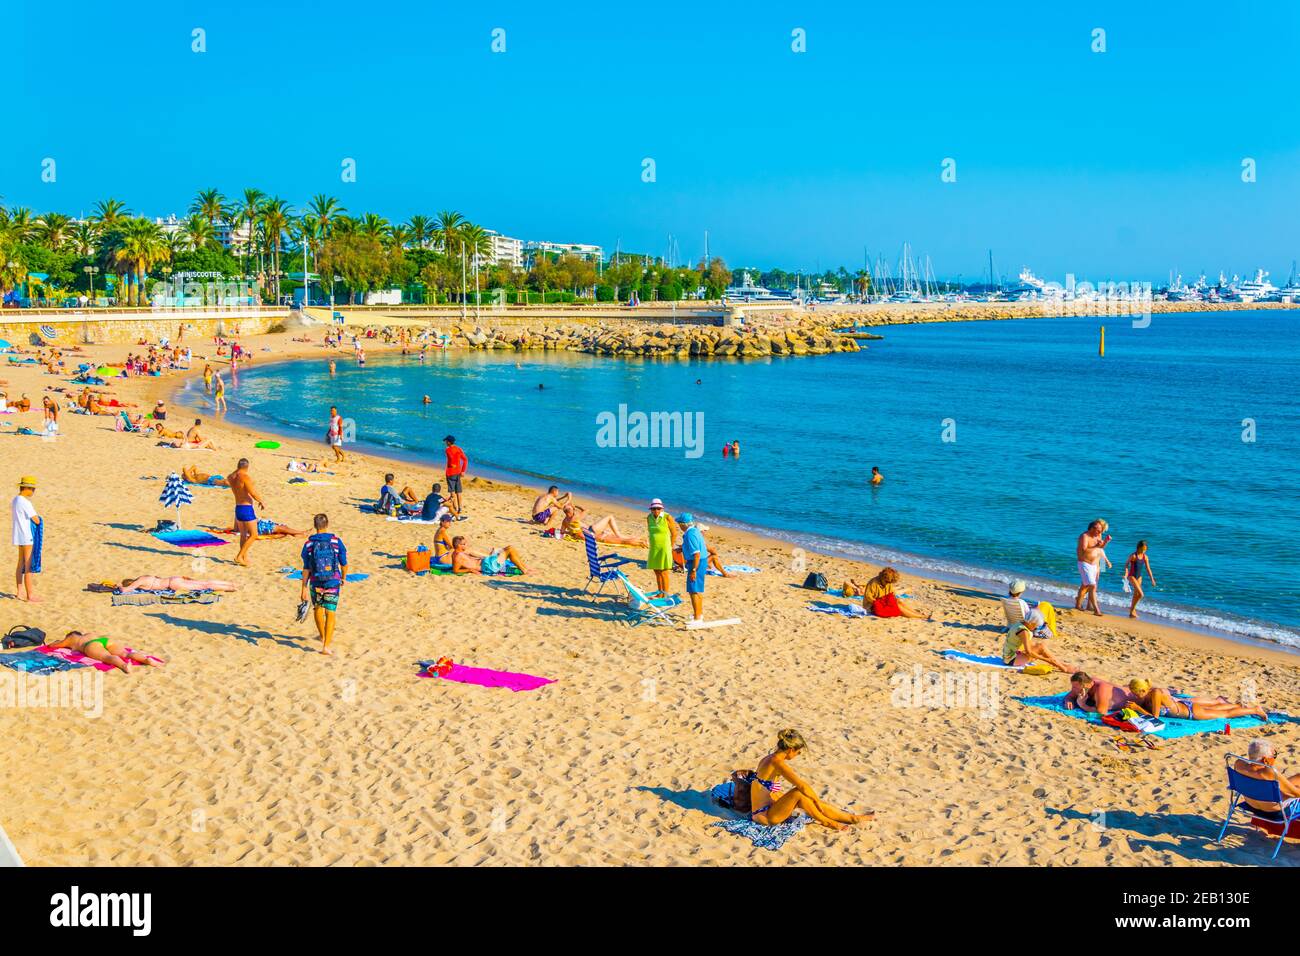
(1096,696)
(679,561)
(1262,752)
(465,561)
(196,477)
(103,650)
(160,429)
(606,529)
(1020,649)
(266,528)
(769,806)
(879,597)
(149,582)
(1161,702)
(546,508)
(302,467)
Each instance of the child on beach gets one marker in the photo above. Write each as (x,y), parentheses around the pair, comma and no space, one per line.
(769,806)
(324,569)
(1133,567)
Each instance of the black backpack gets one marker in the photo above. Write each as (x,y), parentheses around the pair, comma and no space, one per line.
(815,581)
(22,636)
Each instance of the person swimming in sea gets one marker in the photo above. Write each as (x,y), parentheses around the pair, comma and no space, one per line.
(876,476)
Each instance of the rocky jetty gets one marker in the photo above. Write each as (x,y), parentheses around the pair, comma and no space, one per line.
(669,341)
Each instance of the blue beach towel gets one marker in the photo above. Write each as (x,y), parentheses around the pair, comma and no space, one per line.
(846,610)
(38,539)
(987,660)
(1174,728)
(765,838)
(295,574)
(189,538)
(34,662)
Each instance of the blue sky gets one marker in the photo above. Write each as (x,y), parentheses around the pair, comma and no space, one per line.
(1112,165)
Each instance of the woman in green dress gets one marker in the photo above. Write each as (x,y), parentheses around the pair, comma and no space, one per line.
(662,532)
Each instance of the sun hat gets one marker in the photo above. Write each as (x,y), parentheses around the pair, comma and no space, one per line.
(656,503)
(1018,586)
(686,518)
(26,481)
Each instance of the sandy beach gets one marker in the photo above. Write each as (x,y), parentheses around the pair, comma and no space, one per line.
(250,747)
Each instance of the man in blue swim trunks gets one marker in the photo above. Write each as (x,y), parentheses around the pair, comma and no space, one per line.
(695,555)
(241,486)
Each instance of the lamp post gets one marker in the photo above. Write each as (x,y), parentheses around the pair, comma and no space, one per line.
(90,271)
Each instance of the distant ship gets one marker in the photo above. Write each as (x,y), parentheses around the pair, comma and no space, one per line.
(1258,289)
(747,291)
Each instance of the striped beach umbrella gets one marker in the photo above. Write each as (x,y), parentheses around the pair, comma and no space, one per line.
(176,493)
(49,331)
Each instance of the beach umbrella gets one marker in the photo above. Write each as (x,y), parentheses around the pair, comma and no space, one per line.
(176,493)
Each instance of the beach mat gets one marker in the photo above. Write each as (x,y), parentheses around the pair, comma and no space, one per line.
(485,677)
(145,598)
(72,657)
(189,538)
(845,610)
(35,662)
(1174,727)
(985,660)
(295,574)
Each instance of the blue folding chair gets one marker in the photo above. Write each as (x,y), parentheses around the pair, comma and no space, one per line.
(1264,791)
(602,568)
(643,608)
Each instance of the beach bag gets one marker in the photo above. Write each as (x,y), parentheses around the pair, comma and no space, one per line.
(22,636)
(740,781)
(166,524)
(418,560)
(325,569)
(815,581)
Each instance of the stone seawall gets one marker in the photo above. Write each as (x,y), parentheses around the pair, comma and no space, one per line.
(131,327)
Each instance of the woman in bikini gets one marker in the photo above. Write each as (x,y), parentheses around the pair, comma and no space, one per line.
(1160,702)
(105,651)
(605,530)
(769,806)
(442,545)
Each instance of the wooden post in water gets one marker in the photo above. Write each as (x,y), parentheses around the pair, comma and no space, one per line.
(1101,348)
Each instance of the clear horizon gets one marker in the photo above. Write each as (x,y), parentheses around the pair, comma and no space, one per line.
(1119,165)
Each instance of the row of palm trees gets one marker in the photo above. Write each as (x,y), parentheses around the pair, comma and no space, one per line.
(260,226)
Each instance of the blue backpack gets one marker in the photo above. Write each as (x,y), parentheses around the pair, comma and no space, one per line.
(325,569)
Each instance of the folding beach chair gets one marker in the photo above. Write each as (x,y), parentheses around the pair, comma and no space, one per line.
(1014,610)
(601,567)
(644,608)
(1265,791)
(124,423)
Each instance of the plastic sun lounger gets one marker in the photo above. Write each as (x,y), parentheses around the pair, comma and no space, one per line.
(1265,791)
(602,568)
(644,608)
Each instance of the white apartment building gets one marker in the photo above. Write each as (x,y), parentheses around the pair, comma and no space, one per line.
(506,251)
(532,248)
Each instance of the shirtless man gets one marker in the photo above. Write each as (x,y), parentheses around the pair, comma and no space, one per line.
(465,561)
(241,485)
(1096,696)
(1089,550)
(194,438)
(547,507)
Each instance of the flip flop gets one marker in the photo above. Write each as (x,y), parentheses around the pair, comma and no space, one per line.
(1150,741)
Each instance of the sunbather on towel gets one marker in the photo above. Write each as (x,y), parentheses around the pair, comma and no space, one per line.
(103,650)
(1262,752)
(879,598)
(465,561)
(606,529)
(1019,649)
(266,528)
(1160,702)
(769,806)
(194,438)
(679,561)
(150,582)
(1096,696)
(196,477)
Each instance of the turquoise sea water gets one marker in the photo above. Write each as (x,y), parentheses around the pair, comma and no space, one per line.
(1047,436)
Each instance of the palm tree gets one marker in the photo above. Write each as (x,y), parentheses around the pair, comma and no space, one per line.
(83,238)
(53,229)
(274,217)
(248,213)
(142,247)
(374,225)
(109,213)
(399,237)
(449,225)
(22,226)
(210,204)
(421,230)
(198,231)
(326,209)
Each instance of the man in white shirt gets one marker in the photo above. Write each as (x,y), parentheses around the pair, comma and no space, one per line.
(24,516)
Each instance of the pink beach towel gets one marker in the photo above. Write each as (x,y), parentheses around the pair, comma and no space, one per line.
(74,657)
(486,677)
